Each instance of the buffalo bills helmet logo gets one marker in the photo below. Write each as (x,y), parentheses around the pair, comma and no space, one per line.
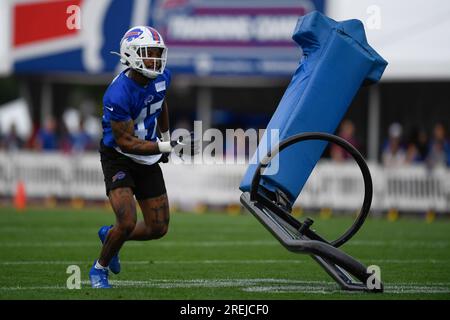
(132,34)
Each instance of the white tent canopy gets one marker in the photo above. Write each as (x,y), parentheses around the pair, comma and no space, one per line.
(412,35)
(16,113)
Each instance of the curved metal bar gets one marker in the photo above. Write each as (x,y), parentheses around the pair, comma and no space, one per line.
(368,186)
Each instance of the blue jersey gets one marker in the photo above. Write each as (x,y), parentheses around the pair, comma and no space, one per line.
(126,100)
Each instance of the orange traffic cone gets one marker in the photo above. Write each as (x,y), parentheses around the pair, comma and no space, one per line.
(20,198)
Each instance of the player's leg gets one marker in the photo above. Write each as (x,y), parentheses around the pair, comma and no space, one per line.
(124,206)
(119,185)
(156,219)
(150,191)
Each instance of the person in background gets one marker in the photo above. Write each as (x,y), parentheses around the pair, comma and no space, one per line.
(418,145)
(347,132)
(64,138)
(393,152)
(12,141)
(81,140)
(439,154)
(46,138)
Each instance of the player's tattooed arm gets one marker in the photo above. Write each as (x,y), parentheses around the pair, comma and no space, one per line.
(123,132)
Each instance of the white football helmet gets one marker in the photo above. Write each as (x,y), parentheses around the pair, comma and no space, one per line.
(134,46)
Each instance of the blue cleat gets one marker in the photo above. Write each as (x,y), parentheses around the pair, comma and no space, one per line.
(99,277)
(114,264)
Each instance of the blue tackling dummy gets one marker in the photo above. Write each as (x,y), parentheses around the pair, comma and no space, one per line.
(336,62)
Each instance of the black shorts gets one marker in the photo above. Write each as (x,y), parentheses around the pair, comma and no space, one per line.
(120,171)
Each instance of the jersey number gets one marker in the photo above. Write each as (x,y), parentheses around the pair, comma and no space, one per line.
(141,130)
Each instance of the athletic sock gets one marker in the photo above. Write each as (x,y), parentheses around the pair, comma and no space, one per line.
(99,266)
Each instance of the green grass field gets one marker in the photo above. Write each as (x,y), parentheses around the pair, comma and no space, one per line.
(214,256)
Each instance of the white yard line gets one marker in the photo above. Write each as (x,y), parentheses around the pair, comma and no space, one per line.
(61,262)
(260,285)
(92,230)
(13,244)
(250,261)
(400,243)
(215,243)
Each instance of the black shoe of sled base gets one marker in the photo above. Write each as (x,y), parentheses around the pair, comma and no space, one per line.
(339,265)
(298,237)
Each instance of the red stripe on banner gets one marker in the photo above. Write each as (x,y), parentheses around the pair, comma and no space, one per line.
(44,20)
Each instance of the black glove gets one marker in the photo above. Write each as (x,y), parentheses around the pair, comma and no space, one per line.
(164,158)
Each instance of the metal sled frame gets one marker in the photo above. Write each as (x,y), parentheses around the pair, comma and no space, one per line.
(297,236)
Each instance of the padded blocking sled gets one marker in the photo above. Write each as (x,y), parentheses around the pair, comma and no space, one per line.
(336,62)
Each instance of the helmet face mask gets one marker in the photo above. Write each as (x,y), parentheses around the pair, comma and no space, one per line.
(137,50)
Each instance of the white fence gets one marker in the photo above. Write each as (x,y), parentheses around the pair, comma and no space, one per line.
(331,185)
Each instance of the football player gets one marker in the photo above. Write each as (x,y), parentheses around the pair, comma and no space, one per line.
(134,107)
